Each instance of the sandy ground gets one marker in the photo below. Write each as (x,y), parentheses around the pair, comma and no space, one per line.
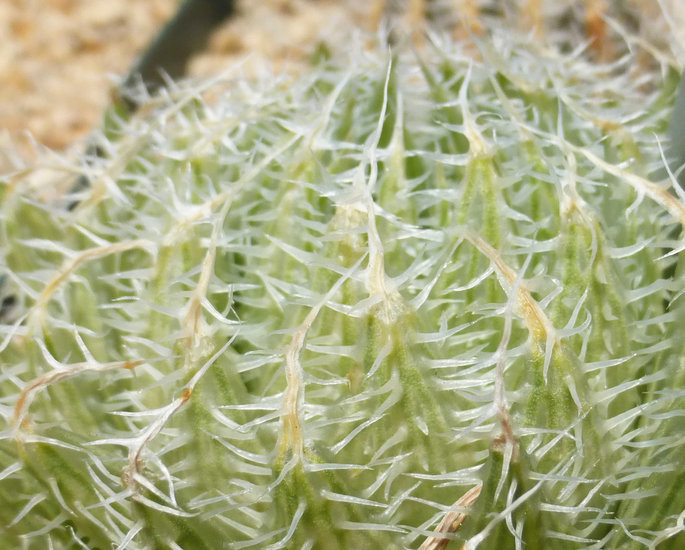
(60,59)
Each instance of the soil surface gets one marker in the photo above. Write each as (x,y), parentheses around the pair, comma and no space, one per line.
(60,59)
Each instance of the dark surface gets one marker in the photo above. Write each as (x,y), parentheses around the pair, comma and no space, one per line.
(185,35)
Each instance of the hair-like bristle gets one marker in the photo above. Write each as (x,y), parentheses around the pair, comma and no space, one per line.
(405,299)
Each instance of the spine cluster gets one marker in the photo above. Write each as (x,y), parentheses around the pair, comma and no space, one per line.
(317,314)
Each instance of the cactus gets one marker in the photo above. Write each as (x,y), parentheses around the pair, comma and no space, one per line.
(404,300)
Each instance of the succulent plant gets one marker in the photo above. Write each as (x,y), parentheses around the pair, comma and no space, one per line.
(402,300)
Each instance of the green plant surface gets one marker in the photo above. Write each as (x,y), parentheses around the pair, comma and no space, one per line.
(314,313)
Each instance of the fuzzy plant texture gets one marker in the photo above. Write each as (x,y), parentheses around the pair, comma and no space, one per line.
(409,299)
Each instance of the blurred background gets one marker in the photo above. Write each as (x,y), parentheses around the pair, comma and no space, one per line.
(60,59)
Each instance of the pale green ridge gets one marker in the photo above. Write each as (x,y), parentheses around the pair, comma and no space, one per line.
(281,318)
